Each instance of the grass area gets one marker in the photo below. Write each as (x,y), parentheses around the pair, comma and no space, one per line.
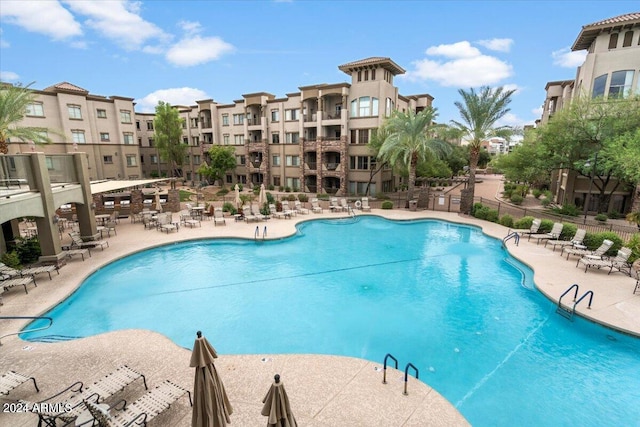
(184,195)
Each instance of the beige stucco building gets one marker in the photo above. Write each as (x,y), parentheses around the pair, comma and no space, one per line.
(611,69)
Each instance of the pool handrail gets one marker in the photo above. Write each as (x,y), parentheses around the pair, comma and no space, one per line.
(28,330)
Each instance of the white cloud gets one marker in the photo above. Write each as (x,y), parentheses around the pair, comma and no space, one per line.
(119,21)
(175,96)
(8,76)
(510,119)
(567,59)
(465,66)
(500,45)
(537,112)
(3,43)
(197,50)
(44,17)
(190,28)
(512,86)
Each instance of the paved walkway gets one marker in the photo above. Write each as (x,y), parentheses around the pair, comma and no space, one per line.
(324,390)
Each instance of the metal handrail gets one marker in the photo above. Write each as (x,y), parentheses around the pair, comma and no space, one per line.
(590,293)
(28,330)
(406,376)
(575,294)
(384,374)
(512,235)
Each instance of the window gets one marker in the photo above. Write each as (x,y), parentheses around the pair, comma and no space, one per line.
(241,160)
(293,114)
(225,139)
(137,124)
(354,108)
(388,107)
(293,183)
(140,142)
(359,76)
(154,159)
(363,136)
(276,181)
(275,160)
(620,86)
(131,160)
(149,125)
(49,161)
(613,41)
(194,122)
(356,187)
(125,116)
(366,75)
(107,160)
(225,120)
(187,160)
(599,85)
(102,114)
(197,159)
(104,136)
(373,74)
(238,119)
(364,106)
(77,136)
(628,36)
(151,142)
(292,137)
(74,112)
(185,140)
(275,115)
(35,109)
(238,139)
(195,140)
(362,162)
(141,162)
(128,138)
(292,160)
(275,138)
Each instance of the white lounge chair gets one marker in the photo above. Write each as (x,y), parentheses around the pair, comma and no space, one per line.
(535,226)
(620,262)
(365,205)
(12,379)
(577,239)
(28,271)
(315,206)
(599,252)
(77,242)
(555,232)
(334,206)
(299,209)
(286,210)
(344,205)
(8,283)
(218,217)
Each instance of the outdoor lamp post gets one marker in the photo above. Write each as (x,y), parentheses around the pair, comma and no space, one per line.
(588,195)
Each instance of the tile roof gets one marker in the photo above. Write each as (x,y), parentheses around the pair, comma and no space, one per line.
(590,31)
(616,20)
(66,86)
(386,63)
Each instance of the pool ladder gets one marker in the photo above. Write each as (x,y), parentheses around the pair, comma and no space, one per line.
(256,235)
(570,312)
(406,371)
(27,330)
(512,235)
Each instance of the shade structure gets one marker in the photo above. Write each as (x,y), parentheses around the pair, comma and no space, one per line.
(237,199)
(211,407)
(262,197)
(158,204)
(276,406)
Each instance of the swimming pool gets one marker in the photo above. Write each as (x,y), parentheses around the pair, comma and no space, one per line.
(442,296)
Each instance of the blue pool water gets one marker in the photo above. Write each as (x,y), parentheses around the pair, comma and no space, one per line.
(442,296)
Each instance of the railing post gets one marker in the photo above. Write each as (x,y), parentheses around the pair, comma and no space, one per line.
(384,374)
(406,375)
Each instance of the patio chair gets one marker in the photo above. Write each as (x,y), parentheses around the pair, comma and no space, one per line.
(315,206)
(535,226)
(286,210)
(70,400)
(344,205)
(365,205)
(218,217)
(110,227)
(255,210)
(555,232)
(620,262)
(248,215)
(333,205)
(7,283)
(273,211)
(164,223)
(69,253)
(142,410)
(577,239)
(77,242)
(12,379)
(599,252)
(297,206)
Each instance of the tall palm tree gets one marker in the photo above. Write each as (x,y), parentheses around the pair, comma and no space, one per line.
(411,137)
(13,107)
(479,112)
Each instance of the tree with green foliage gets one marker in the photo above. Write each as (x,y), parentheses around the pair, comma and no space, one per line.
(524,164)
(479,112)
(167,126)
(15,101)
(411,136)
(221,160)
(378,136)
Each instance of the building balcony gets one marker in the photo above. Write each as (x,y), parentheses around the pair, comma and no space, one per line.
(311,165)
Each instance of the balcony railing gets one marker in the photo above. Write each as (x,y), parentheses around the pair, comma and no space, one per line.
(311,165)
(256,163)
(254,122)
(332,166)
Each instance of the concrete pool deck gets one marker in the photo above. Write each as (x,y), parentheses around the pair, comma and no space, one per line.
(324,390)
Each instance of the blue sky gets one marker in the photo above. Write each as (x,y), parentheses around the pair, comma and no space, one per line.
(183,51)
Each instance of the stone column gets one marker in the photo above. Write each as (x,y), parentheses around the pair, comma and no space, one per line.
(84,211)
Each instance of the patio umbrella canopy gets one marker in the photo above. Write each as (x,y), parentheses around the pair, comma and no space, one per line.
(211,407)
(276,406)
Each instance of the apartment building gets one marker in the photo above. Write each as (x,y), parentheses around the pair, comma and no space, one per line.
(102,127)
(611,69)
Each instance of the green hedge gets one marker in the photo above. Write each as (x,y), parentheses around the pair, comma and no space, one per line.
(593,240)
(387,204)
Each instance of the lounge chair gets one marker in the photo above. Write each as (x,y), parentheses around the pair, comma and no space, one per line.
(27,271)
(218,217)
(333,205)
(555,232)
(297,206)
(286,210)
(12,379)
(599,252)
(142,410)
(577,239)
(110,227)
(344,205)
(620,262)
(77,242)
(187,220)
(255,210)
(365,205)
(315,206)
(164,223)
(70,400)
(535,226)
(8,283)
(82,252)
(248,215)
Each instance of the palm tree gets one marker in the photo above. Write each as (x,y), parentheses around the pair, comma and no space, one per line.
(14,101)
(480,111)
(411,137)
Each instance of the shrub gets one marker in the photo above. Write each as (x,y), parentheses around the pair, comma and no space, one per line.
(28,250)
(291,197)
(482,212)
(507,221)
(228,207)
(516,199)
(568,231)
(509,186)
(476,207)
(287,189)
(303,197)
(256,190)
(634,245)
(524,222)
(536,193)
(545,226)
(240,187)
(222,192)
(507,194)
(601,217)
(614,215)
(270,187)
(545,202)
(523,190)
(548,194)
(387,204)
(11,259)
(323,196)
(493,215)
(568,209)
(281,188)
(594,240)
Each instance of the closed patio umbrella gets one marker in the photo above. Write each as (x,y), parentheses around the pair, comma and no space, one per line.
(158,204)
(237,200)
(276,406)
(262,197)
(211,407)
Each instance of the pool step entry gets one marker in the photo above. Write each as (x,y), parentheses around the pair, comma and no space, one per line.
(49,319)
(53,338)
(406,371)
(570,312)
(512,235)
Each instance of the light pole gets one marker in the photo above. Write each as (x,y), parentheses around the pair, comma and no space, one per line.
(588,195)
